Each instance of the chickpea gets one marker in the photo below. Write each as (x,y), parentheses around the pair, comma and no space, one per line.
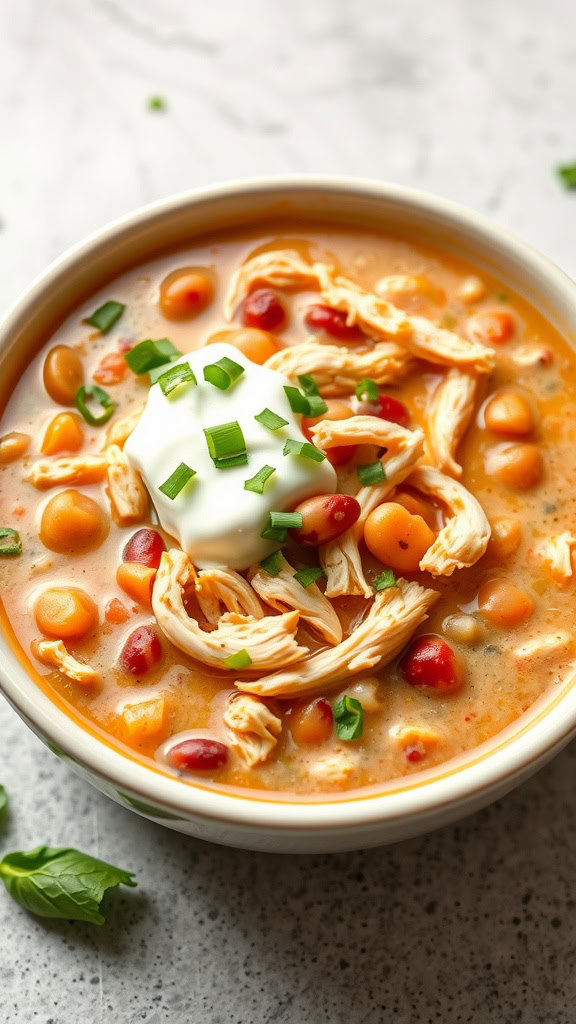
(509,413)
(64,433)
(255,344)
(518,466)
(417,506)
(464,629)
(65,613)
(311,722)
(397,538)
(367,691)
(401,288)
(490,327)
(185,293)
(13,446)
(63,374)
(471,290)
(506,536)
(337,410)
(504,604)
(71,522)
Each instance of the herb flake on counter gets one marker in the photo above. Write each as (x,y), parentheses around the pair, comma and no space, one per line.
(10,543)
(61,883)
(567,175)
(151,353)
(374,473)
(270,420)
(177,481)
(306,577)
(348,718)
(106,316)
(92,393)
(239,660)
(385,580)
(304,449)
(156,103)
(3,801)
(257,482)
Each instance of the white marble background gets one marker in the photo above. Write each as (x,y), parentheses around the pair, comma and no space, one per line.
(476,101)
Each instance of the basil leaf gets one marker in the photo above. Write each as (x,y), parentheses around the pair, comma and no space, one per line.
(349,718)
(62,883)
(3,801)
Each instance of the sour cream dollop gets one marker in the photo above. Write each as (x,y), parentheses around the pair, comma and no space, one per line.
(216,521)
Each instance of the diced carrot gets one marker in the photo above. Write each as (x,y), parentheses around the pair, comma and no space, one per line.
(116,613)
(137,581)
(111,369)
(140,721)
(64,434)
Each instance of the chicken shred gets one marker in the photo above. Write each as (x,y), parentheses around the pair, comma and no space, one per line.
(217,587)
(74,469)
(556,555)
(449,414)
(120,429)
(128,495)
(271,640)
(280,268)
(337,369)
(545,646)
(283,591)
(464,537)
(335,769)
(55,653)
(393,616)
(253,728)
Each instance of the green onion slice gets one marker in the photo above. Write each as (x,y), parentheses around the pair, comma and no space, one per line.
(273,564)
(309,575)
(308,384)
(348,717)
(271,420)
(239,660)
(308,405)
(106,316)
(374,473)
(367,389)
(10,543)
(278,534)
(177,480)
(95,394)
(223,374)
(170,379)
(304,449)
(567,175)
(226,442)
(256,483)
(148,354)
(286,520)
(385,580)
(316,405)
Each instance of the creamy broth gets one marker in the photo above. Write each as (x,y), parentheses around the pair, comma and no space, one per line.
(406,728)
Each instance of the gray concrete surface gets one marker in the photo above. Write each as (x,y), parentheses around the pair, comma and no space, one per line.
(474,101)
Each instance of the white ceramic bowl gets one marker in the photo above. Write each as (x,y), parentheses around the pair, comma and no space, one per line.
(389,812)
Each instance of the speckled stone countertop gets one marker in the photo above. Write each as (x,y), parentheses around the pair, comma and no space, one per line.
(473,101)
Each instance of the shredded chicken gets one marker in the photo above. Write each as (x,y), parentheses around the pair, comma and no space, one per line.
(120,429)
(556,555)
(54,653)
(280,268)
(335,769)
(409,286)
(464,537)
(253,728)
(283,591)
(390,622)
(270,641)
(449,414)
(224,587)
(337,369)
(341,557)
(531,355)
(74,469)
(128,495)
(544,646)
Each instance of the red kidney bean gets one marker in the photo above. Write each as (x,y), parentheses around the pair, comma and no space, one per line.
(263,309)
(389,408)
(430,662)
(198,755)
(141,651)
(145,546)
(332,321)
(325,517)
(341,454)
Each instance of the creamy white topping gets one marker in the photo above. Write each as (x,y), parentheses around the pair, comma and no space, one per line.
(216,521)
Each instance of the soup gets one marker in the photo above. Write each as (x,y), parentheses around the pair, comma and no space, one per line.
(294,511)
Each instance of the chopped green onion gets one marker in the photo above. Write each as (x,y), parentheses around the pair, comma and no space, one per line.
(276,533)
(316,405)
(156,372)
(106,316)
(374,473)
(256,483)
(170,379)
(349,718)
(286,520)
(308,384)
(156,103)
(385,580)
(177,480)
(239,660)
(148,354)
(309,575)
(10,543)
(226,445)
(93,393)
(567,175)
(223,373)
(271,420)
(273,564)
(303,448)
(298,401)
(367,389)
(310,404)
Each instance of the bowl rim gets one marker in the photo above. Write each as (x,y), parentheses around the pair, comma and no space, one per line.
(523,745)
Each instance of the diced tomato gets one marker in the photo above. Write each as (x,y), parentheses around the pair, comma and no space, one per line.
(332,321)
(342,454)
(391,409)
(141,651)
(145,546)
(125,344)
(430,662)
(116,612)
(111,369)
(263,309)
(198,755)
